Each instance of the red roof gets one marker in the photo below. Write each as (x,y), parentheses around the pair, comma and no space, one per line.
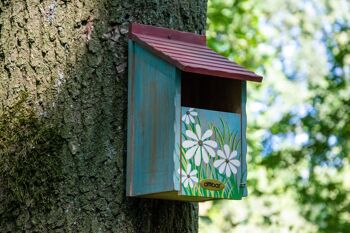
(188,52)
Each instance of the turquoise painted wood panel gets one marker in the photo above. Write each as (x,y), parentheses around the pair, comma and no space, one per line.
(131,136)
(154,109)
(211,154)
(177,130)
(244,142)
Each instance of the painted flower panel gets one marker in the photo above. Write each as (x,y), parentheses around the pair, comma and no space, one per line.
(210,154)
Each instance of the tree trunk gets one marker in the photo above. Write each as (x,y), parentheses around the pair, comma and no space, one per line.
(70,58)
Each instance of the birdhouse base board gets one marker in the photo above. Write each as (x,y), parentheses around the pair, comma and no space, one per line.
(175,196)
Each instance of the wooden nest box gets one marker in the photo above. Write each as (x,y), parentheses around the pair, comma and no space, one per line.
(186,118)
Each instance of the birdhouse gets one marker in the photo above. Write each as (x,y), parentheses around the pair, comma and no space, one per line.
(186,118)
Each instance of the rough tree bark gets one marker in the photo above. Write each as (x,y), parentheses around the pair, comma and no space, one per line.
(70,58)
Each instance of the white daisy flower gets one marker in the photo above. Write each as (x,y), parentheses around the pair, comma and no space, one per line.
(199,145)
(228,163)
(189,116)
(188,177)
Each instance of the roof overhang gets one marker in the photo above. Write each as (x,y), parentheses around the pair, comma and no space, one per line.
(188,52)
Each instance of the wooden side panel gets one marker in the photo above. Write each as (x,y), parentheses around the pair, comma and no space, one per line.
(152,112)
(131,131)
(243,186)
(177,129)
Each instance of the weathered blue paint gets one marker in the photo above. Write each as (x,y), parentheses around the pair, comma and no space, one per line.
(130,141)
(244,142)
(177,130)
(153,101)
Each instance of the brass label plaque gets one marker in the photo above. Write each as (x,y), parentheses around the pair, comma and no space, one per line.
(211,184)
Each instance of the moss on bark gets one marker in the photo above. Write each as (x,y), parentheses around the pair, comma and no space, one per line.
(70,57)
(30,164)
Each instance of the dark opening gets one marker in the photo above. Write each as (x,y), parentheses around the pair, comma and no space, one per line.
(213,93)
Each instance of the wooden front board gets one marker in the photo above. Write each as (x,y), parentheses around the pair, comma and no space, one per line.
(211,154)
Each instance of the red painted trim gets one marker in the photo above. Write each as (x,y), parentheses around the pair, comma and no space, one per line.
(166,33)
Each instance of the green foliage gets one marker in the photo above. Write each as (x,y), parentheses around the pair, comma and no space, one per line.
(299,121)
(29,162)
(233,33)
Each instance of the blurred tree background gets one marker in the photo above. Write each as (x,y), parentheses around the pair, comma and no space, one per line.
(299,117)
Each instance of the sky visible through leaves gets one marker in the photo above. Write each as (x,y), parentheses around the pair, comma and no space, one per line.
(298,118)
